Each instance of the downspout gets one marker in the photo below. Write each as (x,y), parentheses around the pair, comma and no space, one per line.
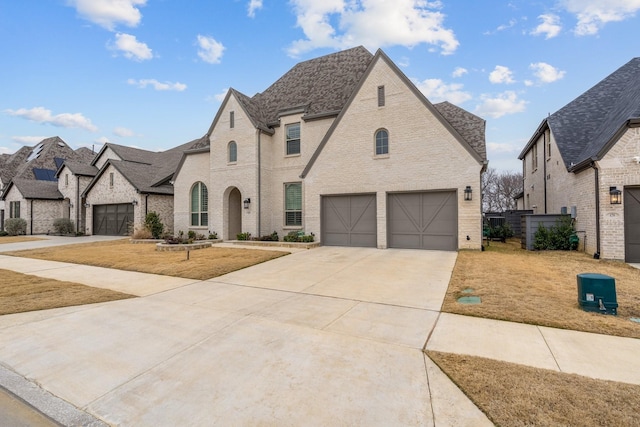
(259,180)
(597,191)
(544,168)
(31,216)
(146,205)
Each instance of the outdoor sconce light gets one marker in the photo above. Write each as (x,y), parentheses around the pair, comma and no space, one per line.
(70,205)
(134,202)
(247,202)
(87,205)
(468,193)
(615,196)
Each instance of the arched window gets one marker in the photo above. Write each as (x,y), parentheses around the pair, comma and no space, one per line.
(199,205)
(382,142)
(233,152)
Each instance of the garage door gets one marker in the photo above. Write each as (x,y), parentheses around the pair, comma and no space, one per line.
(112,220)
(423,220)
(632,224)
(349,220)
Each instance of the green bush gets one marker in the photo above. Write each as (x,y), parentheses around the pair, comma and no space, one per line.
(213,235)
(63,226)
(243,236)
(154,225)
(273,237)
(299,236)
(15,226)
(3,233)
(191,234)
(502,232)
(560,236)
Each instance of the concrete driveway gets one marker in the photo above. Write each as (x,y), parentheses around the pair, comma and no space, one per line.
(329,336)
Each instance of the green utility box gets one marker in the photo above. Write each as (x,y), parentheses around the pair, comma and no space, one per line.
(597,292)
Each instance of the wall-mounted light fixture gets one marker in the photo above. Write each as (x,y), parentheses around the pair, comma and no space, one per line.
(615,196)
(468,193)
(71,205)
(247,202)
(134,202)
(87,205)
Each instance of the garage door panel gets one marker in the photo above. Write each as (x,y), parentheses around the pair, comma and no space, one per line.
(112,220)
(632,224)
(423,220)
(349,220)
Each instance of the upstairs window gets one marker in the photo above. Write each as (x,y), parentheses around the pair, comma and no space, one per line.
(293,204)
(382,142)
(232,121)
(380,96)
(293,139)
(199,205)
(233,152)
(111,179)
(534,158)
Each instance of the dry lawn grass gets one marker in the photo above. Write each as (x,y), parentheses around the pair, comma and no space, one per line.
(17,239)
(540,288)
(22,292)
(515,395)
(121,254)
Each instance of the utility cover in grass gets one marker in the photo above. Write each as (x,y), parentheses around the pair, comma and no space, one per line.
(469,300)
(635,319)
(467,291)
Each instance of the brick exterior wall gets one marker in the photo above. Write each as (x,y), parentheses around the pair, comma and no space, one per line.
(194,169)
(39,214)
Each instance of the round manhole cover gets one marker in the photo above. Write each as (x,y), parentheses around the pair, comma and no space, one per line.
(469,300)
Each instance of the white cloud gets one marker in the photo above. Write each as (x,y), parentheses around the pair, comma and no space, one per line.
(373,23)
(510,24)
(157,85)
(102,140)
(28,140)
(210,50)
(123,132)
(253,6)
(502,147)
(131,47)
(109,13)
(546,73)
(65,120)
(498,106)
(592,15)
(437,91)
(549,27)
(459,72)
(501,74)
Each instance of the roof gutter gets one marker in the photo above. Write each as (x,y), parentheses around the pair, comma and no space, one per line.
(597,190)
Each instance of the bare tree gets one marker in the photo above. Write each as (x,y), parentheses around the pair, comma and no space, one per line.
(499,190)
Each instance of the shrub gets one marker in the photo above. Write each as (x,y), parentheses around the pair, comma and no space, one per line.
(154,225)
(273,237)
(213,235)
(15,226)
(243,236)
(558,237)
(502,232)
(299,236)
(3,233)
(63,226)
(191,234)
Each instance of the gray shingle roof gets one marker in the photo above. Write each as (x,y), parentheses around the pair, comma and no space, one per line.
(83,169)
(585,127)
(320,85)
(32,189)
(470,127)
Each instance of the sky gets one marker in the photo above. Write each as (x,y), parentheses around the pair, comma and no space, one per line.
(152,73)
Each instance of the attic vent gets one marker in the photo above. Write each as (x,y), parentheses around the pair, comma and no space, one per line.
(35,153)
(61,144)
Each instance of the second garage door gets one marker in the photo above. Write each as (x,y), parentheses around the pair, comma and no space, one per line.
(632,224)
(112,220)
(349,220)
(426,220)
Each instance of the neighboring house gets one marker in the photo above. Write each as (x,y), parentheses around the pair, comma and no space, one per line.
(128,184)
(39,203)
(30,183)
(343,146)
(73,179)
(584,159)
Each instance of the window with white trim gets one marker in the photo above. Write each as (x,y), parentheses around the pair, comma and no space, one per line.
(199,205)
(292,139)
(233,152)
(293,204)
(382,142)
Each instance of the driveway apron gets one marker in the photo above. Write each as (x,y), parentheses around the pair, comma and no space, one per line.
(329,336)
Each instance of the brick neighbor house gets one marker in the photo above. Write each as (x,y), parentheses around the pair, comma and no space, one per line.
(343,146)
(584,160)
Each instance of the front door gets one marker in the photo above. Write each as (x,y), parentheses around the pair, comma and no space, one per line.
(235,214)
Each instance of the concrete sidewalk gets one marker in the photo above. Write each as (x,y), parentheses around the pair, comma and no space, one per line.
(280,342)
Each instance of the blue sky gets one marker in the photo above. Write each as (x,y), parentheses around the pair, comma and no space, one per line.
(152,73)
